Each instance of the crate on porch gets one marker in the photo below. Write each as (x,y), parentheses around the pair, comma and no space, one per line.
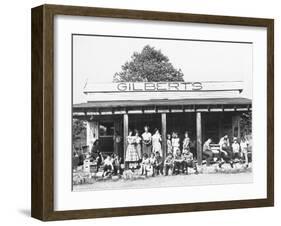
(86,168)
(93,168)
(215,148)
(86,165)
(87,162)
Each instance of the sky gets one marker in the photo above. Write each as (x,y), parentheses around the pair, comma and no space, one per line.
(96,59)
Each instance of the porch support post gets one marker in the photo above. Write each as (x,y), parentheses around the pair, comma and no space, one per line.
(164,133)
(233,126)
(238,125)
(91,134)
(199,137)
(115,134)
(220,125)
(88,134)
(125,132)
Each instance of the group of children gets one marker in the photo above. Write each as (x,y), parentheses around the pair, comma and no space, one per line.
(228,153)
(172,164)
(145,152)
(111,164)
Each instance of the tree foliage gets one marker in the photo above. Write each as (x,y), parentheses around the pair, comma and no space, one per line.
(150,65)
(78,132)
(246,123)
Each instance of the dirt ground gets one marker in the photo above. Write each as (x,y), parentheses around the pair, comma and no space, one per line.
(169,181)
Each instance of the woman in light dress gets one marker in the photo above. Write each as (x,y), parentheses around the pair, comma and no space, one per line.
(132,156)
(156,142)
(138,144)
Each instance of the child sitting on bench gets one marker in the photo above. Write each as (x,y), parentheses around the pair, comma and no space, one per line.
(168,164)
(188,161)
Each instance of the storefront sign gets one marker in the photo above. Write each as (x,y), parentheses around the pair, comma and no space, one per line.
(158,86)
(163,86)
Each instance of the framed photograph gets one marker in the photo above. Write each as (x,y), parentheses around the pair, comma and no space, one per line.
(141,112)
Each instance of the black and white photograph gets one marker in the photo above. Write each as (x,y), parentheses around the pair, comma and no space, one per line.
(151,112)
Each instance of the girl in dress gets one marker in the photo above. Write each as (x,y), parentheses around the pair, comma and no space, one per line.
(169,144)
(186,142)
(175,143)
(132,156)
(156,142)
(138,144)
(146,141)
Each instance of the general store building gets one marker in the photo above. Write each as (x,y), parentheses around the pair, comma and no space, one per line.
(207,109)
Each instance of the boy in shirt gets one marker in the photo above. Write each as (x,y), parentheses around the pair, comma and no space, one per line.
(168,164)
(207,152)
(108,167)
(188,161)
(116,162)
(225,153)
(178,162)
(158,164)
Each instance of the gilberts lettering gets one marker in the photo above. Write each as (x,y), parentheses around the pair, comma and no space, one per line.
(158,86)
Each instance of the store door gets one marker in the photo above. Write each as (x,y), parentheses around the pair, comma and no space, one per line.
(106,136)
(118,138)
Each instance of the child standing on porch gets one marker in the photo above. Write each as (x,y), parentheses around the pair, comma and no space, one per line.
(158,168)
(175,143)
(186,142)
(235,149)
(169,144)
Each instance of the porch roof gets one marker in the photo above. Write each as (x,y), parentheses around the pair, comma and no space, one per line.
(163,102)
